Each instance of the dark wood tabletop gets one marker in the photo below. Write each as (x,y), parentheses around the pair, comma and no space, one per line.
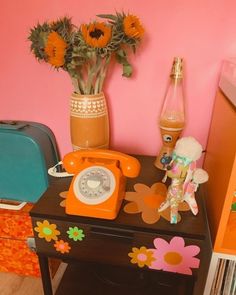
(190,226)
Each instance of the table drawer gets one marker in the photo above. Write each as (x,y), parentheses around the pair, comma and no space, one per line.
(117,246)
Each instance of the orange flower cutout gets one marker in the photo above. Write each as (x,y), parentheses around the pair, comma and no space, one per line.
(55,49)
(133,27)
(146,200)
(63,195)
(142,256)
(62,246)
(96,34)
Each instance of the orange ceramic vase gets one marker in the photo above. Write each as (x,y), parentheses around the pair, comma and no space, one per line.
(89,121)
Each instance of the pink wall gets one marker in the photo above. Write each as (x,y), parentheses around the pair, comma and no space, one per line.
(202,31)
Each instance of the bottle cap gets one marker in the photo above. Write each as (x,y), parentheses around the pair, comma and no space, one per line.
(177,68)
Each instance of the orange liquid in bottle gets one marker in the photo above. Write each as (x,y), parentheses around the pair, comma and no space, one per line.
(173,120)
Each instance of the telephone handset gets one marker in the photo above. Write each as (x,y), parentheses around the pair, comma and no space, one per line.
(98,186)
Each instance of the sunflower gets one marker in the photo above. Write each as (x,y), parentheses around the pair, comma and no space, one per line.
(55,49)
(133,27)
(96,34)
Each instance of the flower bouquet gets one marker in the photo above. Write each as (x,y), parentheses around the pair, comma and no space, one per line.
(85,52)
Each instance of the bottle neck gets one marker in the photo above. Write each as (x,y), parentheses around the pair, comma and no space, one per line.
(176,80)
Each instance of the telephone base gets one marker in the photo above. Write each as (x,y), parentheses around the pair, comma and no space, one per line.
(95,212)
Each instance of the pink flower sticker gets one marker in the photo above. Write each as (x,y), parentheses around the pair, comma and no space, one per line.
(175,256)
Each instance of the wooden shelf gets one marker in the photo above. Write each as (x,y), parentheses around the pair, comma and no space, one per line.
(89,279)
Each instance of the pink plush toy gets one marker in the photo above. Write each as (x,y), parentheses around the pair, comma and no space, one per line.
(185,177)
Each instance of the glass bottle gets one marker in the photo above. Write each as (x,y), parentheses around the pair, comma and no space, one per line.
(172,118)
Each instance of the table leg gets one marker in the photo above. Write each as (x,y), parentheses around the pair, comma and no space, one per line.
(45,275)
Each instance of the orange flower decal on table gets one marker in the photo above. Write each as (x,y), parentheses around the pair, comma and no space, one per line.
(146,200)
(97,34)
(55,49)
(63,195)
(47,231)
(141,256)
(62,246)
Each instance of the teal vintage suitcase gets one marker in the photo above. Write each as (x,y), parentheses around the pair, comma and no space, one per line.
(27,150)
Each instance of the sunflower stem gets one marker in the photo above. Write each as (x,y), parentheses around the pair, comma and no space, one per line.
(98,75)
(91,71)
(96,72)
(76,85)
(81,82)
(103,72)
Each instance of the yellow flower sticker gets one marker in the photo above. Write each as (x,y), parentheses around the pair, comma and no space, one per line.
(142,256)
(47,231)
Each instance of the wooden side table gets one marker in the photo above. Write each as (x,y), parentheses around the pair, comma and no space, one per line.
(99,252)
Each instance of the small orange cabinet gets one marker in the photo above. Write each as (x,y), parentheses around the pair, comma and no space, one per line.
(15,254)
(220,163)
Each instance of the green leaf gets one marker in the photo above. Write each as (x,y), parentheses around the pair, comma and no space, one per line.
(127,70)
(121,52)
(108,16)
(121,56)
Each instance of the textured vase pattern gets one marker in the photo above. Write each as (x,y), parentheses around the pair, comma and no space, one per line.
(89,122)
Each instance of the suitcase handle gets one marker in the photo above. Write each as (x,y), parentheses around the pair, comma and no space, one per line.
(11,125)
(8,206)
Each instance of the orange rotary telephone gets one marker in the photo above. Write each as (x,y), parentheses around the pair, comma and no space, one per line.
(98,186)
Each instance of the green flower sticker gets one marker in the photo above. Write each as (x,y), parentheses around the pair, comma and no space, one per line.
(75,233)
